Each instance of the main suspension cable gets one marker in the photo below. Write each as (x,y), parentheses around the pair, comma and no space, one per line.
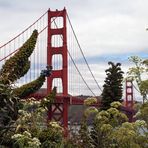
(83,53)
(23,32)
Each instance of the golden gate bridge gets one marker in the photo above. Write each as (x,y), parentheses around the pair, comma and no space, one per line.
(58,45)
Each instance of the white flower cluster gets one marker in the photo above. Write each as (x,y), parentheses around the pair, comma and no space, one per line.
(22,112)
(103,117)
(140,123)
(128,125)
(116,104)
(47,100)
(90,101)
(113,111)
(106,128)
(32,142)
(16,136)
(27,134)
(35,143)
(104,113)
(91,110)
(30,102)
(138,114)
(41,110)
(56,126)
(25,116)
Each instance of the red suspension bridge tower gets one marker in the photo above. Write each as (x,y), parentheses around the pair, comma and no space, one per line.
(58,111)
(52,50)
(129,94)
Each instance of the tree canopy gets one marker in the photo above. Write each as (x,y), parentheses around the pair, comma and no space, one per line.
(112,89)
(139,74)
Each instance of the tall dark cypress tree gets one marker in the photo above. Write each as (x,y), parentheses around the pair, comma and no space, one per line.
(112,89)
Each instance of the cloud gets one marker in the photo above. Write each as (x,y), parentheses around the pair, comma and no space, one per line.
(112,34)
(4,4)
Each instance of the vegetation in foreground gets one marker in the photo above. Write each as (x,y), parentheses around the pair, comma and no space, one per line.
(110,128)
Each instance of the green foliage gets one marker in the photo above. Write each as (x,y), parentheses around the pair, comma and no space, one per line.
(52,136)
(72,142)
(33,115)
(31,128)
(142,114)
(8,108)
(8,114)
(128,135)
(90,101)
(111,129)
(144,87)
(29,88)
(33,118)
(137,73)
(104,123)
(85,135)
(25,140)
(23,129)
(145,63)
(116,104)
(14,68)
(18,65)
(101,130)
(112,89)
(49,99)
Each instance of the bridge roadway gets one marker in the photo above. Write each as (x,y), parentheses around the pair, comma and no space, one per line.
(79,100)
(73,100)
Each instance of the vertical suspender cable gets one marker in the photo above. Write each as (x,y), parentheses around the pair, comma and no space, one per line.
(78,69)
(83,53)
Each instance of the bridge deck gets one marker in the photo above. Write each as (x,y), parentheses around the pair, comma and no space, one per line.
(73,100)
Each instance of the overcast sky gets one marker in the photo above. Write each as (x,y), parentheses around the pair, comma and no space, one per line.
(108,30)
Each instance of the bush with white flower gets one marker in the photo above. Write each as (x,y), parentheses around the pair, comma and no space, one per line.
(116,104)
(90,101)
(25,140)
